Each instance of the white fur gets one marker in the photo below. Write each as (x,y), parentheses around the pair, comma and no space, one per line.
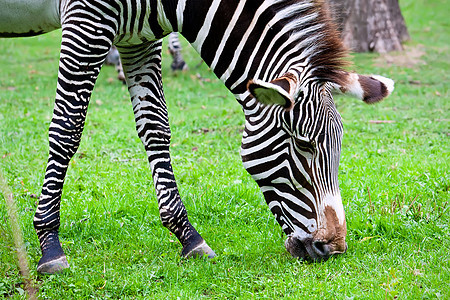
(335,202)
(271,86)
(389,83)
(180,14)
(198,44)
(354,87)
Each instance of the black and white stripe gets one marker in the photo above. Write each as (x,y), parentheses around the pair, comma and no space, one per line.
(178,63)
(293,155)
(280,58)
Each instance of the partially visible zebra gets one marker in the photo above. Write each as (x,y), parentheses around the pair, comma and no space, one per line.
(178,63)
(280,58)
(174,45)
(113,58)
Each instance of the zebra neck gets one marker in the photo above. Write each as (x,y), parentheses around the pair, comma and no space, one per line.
(245,40)
(216,32)
(261,40)
(20,18)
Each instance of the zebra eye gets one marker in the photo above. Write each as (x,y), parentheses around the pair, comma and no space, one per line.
(304,145)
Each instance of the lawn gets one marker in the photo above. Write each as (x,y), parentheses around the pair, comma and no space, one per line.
(394,180)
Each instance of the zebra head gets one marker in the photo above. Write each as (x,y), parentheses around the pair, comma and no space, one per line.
(291,147)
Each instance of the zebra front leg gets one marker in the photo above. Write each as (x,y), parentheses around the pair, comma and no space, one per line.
(142,66)
(80,61)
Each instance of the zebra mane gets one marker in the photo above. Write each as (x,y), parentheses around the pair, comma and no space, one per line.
(331,58)
(262,39)
(325,51)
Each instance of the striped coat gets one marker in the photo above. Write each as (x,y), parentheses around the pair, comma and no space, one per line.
(282,59)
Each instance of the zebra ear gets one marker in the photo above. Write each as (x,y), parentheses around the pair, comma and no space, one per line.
(278,91)
(370,89)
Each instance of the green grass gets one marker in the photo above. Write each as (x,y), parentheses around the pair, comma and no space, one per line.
(394,180)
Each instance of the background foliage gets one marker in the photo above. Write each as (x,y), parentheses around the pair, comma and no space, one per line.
(394,178)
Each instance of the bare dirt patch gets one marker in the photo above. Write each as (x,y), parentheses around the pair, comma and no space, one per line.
(409,57)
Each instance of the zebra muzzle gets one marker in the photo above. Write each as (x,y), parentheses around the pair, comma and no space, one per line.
(311,249)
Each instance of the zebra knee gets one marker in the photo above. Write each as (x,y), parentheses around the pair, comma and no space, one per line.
(178,64)
(46,221)
(173,216)
(154,137)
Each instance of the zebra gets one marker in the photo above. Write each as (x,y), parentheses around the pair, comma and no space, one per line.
(178,63)
(113,58)
(281,59)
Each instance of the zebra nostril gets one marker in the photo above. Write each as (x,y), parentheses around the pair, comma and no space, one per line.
(321,248)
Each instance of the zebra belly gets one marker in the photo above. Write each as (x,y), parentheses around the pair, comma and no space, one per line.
(20,18)
(136,27)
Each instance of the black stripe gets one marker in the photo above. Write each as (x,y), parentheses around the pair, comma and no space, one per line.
(124,16)
(193,16)
(133,16)
(142,15)
(153,21)
(170,9)
(220,22)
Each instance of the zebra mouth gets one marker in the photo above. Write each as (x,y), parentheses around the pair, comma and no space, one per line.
(310,249)
(296,248)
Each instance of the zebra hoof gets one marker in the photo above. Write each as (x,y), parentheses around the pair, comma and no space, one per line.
(179,66)
(200,251)
(54,266)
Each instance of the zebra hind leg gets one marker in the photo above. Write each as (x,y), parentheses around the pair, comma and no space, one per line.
(178,63)
(113,59)
(142,66)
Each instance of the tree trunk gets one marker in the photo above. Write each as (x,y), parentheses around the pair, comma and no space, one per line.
(370,25)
